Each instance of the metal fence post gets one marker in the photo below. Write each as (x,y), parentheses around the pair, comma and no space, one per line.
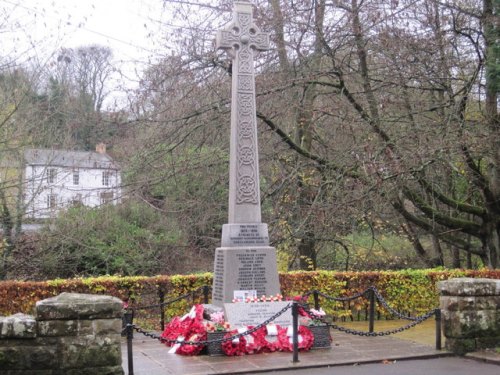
(161,295)
(437,314)
(129,317)
(295,326)
(371,322)
(316,299)
(205,294)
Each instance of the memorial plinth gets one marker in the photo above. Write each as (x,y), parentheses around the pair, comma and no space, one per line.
(245,261)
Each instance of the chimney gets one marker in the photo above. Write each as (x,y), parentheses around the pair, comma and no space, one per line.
(100,148)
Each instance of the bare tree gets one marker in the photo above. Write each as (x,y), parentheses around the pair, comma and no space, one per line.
(375,106)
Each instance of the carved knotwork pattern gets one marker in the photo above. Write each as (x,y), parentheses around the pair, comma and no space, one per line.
(245,61)
(246,190)
(242,37)
(245,104)
(246,155)
(244,20)
(261,41)
(245,129)
(242,34)
(228,39)
(245,83)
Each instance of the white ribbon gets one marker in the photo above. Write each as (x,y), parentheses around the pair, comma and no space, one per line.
(176,346)
(191,314)
(272,330)
(240,330)
(289,333)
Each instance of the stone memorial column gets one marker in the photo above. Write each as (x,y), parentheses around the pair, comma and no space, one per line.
(245,261)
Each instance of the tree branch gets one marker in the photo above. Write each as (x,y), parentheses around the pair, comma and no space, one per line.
(430,227)
(465,226)
(463,207)
(323,163)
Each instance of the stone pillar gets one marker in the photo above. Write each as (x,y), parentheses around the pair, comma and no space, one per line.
(70,334)
(470,313)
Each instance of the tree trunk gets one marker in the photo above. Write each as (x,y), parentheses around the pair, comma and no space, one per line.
(7,228)
(437,250)
(307,252)
(455,253)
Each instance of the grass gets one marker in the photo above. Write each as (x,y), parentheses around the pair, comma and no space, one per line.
(423,333)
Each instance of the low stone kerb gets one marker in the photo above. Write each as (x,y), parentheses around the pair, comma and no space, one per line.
(67,306)
(467,286)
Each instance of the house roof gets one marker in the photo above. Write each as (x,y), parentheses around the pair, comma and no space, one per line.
(71,159)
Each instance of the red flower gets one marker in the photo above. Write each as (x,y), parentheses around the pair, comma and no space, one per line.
(236,346)
(306,339)
(197,333)
(175,328)
(265,346)
(185,326)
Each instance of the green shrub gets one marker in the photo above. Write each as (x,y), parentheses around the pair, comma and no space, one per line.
(417,286)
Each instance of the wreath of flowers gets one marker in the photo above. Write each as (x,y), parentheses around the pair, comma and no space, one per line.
(197,332)
(306,339)
(237,346)
(175,328)
(254,342)
(190,327)
(265,346)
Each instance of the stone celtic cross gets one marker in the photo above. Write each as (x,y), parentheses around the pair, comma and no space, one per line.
(245,262)
(241,38)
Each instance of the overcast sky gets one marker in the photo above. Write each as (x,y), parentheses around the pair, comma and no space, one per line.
(36,29)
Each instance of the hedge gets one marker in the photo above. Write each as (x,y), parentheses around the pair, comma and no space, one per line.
(412,291)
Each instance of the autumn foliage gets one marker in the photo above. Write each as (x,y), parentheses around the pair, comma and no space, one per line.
(418,287)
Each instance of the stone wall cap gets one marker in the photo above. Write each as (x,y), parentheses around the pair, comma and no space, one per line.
(17,326)
(67,306)
(468,286)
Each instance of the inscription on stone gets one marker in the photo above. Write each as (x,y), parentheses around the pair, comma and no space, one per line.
(252,271)
(218,282)
(252,314)
(247,234)
(251,268)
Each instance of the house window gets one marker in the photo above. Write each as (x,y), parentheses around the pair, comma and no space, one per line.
(76,201)
(106,197)
(106,178)
(76,177)
(51,201)
(51,175)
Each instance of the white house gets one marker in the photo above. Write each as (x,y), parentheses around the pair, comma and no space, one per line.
(57,179)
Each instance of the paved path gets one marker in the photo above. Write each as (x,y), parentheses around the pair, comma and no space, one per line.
(151,357)
(433,366)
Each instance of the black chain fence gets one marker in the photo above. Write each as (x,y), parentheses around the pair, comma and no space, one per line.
(371,293)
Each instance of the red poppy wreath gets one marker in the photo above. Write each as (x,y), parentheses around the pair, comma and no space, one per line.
(305,338)
(197,333)
(237,346)
(266,343)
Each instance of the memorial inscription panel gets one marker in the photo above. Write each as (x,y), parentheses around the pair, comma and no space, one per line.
(252,314)
(248,269)
(245,235)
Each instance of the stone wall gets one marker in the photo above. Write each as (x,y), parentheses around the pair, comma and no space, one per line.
(470,313)
(71,334)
